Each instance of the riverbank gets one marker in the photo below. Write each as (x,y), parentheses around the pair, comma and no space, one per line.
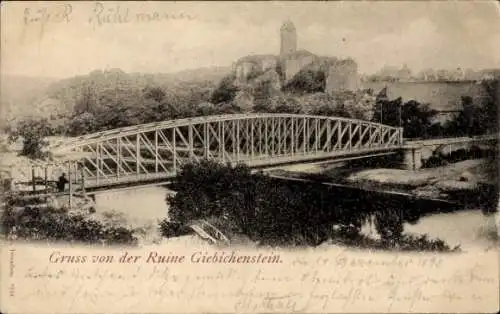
(454,182)
(439,182)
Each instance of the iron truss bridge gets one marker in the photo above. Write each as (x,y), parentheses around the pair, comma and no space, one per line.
(156,151)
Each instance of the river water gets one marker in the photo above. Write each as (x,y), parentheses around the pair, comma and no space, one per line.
(468,228)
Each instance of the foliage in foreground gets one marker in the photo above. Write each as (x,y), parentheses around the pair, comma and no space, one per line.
(406,242)
(47,223)
(273,212)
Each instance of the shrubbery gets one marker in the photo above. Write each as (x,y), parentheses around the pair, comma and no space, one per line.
(404,243)
(33,133)
(270,211)
(46,223)
(173,229)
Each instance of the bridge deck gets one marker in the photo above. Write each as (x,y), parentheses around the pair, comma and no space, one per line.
(449,140)
(255,162)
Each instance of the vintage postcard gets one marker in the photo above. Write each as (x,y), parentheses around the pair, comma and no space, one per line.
(249,157)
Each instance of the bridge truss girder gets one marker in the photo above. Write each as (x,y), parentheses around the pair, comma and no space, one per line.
(159,150)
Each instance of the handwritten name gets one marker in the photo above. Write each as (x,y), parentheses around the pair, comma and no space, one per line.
(103,14)
(55,14)
(39,19)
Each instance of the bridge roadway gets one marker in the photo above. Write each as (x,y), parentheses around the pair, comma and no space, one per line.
(262,163)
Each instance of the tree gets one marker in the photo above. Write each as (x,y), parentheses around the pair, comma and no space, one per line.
(475,119)
(225,91)
(286,105)
(323,110)
(87,101)
(387,111)
(155,93)
(33,133)
(83,123)
(262,94)
(417,119)
(490,104)
(307,81)
(264,209)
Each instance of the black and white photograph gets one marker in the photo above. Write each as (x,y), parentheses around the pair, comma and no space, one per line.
(307,156)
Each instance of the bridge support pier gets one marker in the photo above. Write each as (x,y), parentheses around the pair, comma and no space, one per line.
(412,158)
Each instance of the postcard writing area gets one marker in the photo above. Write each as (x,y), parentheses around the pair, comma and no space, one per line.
(72,280)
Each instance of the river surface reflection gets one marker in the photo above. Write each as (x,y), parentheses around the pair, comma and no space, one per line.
(468,228)
(139,205)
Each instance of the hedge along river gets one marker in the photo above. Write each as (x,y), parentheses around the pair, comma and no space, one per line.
(470,228)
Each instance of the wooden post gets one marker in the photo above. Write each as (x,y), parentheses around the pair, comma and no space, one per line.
(45,178)
(400,115)
(33,178)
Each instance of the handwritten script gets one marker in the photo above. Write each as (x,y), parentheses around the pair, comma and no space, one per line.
(38,19)
(103,14)
(324,281)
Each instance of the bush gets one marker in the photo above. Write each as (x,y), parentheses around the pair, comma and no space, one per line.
(225,91)
(389,224)
(404,243)
(264,209)
(415,118)
(33,133)
(47,223)
(173,229)
(423,243)
(307,81)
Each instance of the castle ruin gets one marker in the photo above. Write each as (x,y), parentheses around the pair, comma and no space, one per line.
(339,74)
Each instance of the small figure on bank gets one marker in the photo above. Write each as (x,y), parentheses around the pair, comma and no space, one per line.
(61,183)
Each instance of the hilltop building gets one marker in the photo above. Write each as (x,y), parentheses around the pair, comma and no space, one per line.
(339,74)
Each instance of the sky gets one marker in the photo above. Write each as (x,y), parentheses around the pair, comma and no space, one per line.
(63,39)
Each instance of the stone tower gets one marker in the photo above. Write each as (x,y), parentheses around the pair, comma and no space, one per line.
(288,38)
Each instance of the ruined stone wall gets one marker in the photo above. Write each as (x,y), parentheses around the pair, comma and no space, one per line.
(342,75)
(243,69)
(268,64)
(294,64)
